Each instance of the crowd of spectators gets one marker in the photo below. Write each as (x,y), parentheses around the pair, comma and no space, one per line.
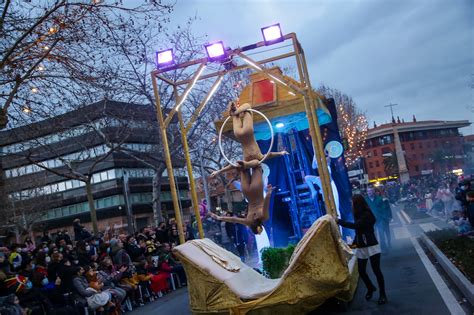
(448,197)
(105,274)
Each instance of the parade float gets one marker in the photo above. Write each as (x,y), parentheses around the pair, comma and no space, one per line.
(287,115)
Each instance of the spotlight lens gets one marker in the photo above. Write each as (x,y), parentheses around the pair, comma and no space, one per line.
(165,57)
(272,33)
(215,50)
(280,125)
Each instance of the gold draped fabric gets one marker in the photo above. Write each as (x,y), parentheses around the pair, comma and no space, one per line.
(322,266)
(215,252)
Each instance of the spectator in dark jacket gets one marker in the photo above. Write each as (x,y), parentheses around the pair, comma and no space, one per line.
(136,252)
(162,233)
(470,207)
(80,233)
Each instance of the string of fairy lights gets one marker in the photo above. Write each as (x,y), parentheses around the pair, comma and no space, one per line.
(353,128)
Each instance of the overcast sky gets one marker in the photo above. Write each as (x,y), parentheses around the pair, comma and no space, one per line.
(418,54)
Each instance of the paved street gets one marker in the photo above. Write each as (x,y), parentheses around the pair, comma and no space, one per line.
(413,284)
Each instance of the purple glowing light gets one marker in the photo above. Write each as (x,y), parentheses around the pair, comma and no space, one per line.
(164,58)
(215,51)
(272,34)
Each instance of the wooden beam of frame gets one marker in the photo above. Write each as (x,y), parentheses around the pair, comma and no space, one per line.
(241,67)
(166,80)
(274,77)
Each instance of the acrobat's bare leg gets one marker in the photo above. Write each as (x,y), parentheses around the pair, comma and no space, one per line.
(238,126)
(272,155)
(257,179)
(248,121)
(249,164)
(245,181)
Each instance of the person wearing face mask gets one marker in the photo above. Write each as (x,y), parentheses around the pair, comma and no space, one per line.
(27,267)
(66,273)
(66,237)
(52,300)
(135,251)
(83,253)
(54,266)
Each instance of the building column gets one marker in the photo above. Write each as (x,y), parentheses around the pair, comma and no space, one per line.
(402,164)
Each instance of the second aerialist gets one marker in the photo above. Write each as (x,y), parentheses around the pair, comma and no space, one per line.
(250,171)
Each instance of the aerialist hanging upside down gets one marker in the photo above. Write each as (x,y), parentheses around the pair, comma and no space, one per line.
(250,171)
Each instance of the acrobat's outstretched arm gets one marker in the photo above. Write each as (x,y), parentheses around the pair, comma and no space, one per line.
(224,169)
(238,220)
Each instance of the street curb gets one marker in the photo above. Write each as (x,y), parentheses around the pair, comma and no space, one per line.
(463,284)
(406,216)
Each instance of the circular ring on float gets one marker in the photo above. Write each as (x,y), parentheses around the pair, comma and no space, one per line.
(271,141)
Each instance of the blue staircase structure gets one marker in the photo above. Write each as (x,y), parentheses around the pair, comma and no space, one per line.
(303,209)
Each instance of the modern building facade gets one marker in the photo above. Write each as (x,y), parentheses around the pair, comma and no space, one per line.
(44,166)
(425,147)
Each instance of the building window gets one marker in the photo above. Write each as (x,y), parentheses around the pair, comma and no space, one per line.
(73,184)
(422,155)
(403,147)
(417,169)
(377,164)
(385,140)
(412,146)
(428,144)
(413,156)
(371,165)
(420,145)
(375,152)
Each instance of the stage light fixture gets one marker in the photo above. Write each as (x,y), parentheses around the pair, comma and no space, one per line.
(164,58)
(272,34)
(279,125)
(216,51)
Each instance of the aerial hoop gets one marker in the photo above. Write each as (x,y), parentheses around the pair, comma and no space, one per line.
(271,141)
